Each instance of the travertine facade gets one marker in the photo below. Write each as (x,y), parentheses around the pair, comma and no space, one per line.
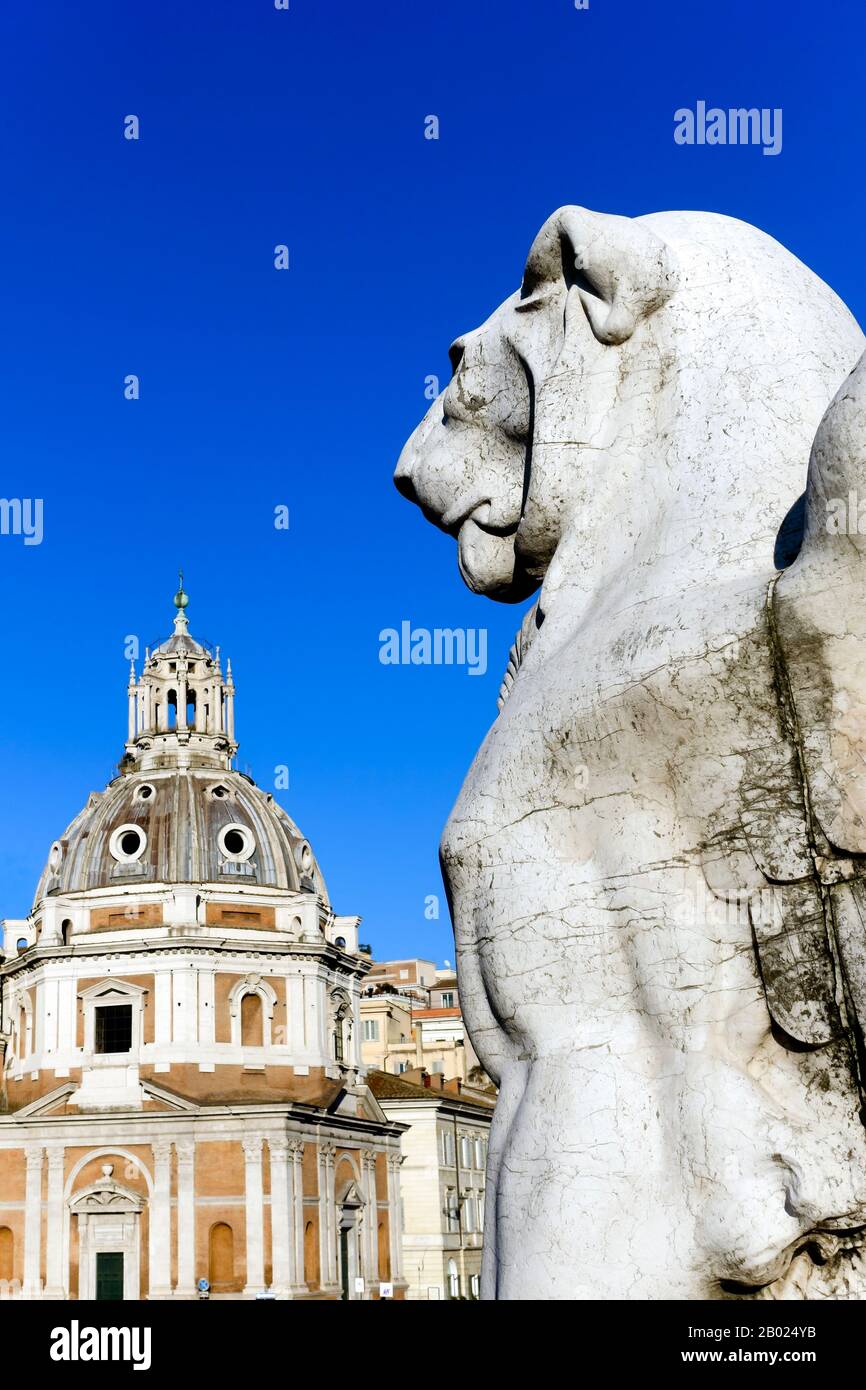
(184,1096)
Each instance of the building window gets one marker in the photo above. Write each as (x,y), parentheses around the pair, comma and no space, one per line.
(466,1151)
(469,1222)
(453,1280)
(448,999)
(311,1256)
(371,1030)
(221,1257)
(114,1028)
(452,1211)
(7,1259)
(252,1021)
(236,843)
(384,1253)
(479,1153)
(481,1209)
(342,1027)
(127,844)
(475,1285)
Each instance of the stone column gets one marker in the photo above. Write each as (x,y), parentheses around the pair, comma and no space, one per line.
(56,1270)
(33,1222)
(185,1218)
(255,1214)
(282,1241)
(159,1221)
(395,1216)
(371,1222)
(296,1148)
(327,1215)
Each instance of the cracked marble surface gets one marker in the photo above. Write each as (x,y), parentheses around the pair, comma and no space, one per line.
(655,863)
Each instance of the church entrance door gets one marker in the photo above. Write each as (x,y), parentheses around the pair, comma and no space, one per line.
(109,1275)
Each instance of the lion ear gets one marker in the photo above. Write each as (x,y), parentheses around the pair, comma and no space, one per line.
(622,270)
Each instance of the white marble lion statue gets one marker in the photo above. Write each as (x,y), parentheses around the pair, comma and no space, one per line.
(656,862)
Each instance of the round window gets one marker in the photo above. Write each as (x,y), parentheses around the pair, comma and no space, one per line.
(304,857)
(55,857)
(144,793)
(127,843)
(236,843)
(341,942)
(219,793)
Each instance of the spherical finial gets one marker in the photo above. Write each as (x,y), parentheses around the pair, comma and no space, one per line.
(181,600)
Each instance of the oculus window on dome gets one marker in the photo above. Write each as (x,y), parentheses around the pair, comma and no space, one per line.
(236,843)
(127,844)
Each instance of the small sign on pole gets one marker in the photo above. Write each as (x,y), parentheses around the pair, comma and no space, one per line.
(386,1290)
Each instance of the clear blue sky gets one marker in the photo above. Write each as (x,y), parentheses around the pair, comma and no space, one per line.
(261,388)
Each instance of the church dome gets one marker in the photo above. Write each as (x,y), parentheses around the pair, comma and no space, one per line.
(180,812)
(181,825)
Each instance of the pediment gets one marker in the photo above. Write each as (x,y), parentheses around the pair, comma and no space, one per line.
(352,1197)
(170,1099)
(45,1104)
(106,1197)
(120,989)
(370,1109)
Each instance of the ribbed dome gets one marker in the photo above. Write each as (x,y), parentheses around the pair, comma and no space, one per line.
(181,825)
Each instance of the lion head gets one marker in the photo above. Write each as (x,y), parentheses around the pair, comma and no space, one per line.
(646,398)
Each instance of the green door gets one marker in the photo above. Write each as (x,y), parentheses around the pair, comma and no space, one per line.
(109,1275)
(344,1262)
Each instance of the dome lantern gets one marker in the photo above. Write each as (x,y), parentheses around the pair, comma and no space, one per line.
(181,711)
